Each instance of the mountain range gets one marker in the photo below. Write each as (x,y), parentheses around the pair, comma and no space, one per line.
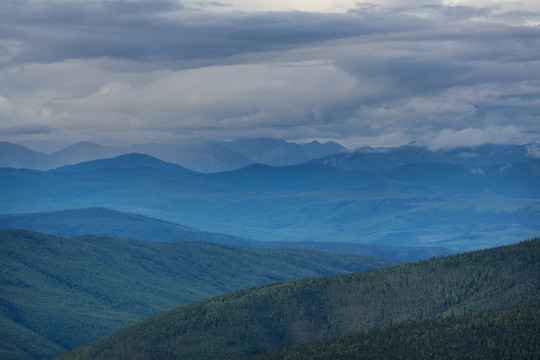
(207,157)
(96,239)
(369,159)
(442,205)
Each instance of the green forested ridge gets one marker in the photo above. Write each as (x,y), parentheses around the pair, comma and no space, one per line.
(250,322)
(511,334)
(58,293)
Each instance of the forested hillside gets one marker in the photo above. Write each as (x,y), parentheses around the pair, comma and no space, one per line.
(510,334)
(58,293)
(254,321)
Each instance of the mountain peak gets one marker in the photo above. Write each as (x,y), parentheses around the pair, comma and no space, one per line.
(126,161)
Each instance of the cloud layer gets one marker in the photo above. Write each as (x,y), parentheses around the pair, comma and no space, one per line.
(131,71)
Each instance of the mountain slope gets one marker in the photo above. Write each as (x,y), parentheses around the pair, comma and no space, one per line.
(280,152)
(127,161)
(369,159)
(254,321)
(207,158)
(57,293)
(102,221)
(499,334)
(414,205)
(17,156)
(82,152)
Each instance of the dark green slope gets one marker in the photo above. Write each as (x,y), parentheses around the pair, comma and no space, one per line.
(499,334)
(254,321)
(58,293)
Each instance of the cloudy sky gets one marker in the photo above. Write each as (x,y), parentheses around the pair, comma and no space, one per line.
(443,73)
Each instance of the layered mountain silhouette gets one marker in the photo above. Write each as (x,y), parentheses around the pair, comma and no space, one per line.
(102,221)
(207,157)
(418,204)
(370,159)
(279,152)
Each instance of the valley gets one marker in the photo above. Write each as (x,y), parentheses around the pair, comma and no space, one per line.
(244,324)
(263,180)
(447,205)
(58,293)
(149,258)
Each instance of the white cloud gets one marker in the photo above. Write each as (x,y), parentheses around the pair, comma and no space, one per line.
(470,137)
(533,151)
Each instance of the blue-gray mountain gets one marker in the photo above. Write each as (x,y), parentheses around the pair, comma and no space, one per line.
(101,221)
(279,152)
(369,159)
(449,205)
(206,157)
(210,157)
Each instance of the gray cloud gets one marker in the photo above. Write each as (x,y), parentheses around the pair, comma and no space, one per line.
(163,31)
(31,129)
(159,70)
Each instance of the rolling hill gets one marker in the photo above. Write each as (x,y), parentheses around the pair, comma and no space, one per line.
(254,321)
(57,293)
(102,221)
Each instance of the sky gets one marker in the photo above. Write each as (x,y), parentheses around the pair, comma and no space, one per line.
(381,73)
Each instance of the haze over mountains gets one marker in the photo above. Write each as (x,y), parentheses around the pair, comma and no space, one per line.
(101,221)
(454,203)
(207,157)
(366,209)
(367,158)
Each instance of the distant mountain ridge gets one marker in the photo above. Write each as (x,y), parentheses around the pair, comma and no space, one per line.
(213,156)
(280,152)
(17,156)
(102,221)
(375,159)
(127,161)
(442,205)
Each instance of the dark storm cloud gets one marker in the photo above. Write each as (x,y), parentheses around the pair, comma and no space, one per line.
(376,74)
(165,31)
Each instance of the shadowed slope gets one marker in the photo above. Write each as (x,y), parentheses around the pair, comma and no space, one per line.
(254,321)
(58,293)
